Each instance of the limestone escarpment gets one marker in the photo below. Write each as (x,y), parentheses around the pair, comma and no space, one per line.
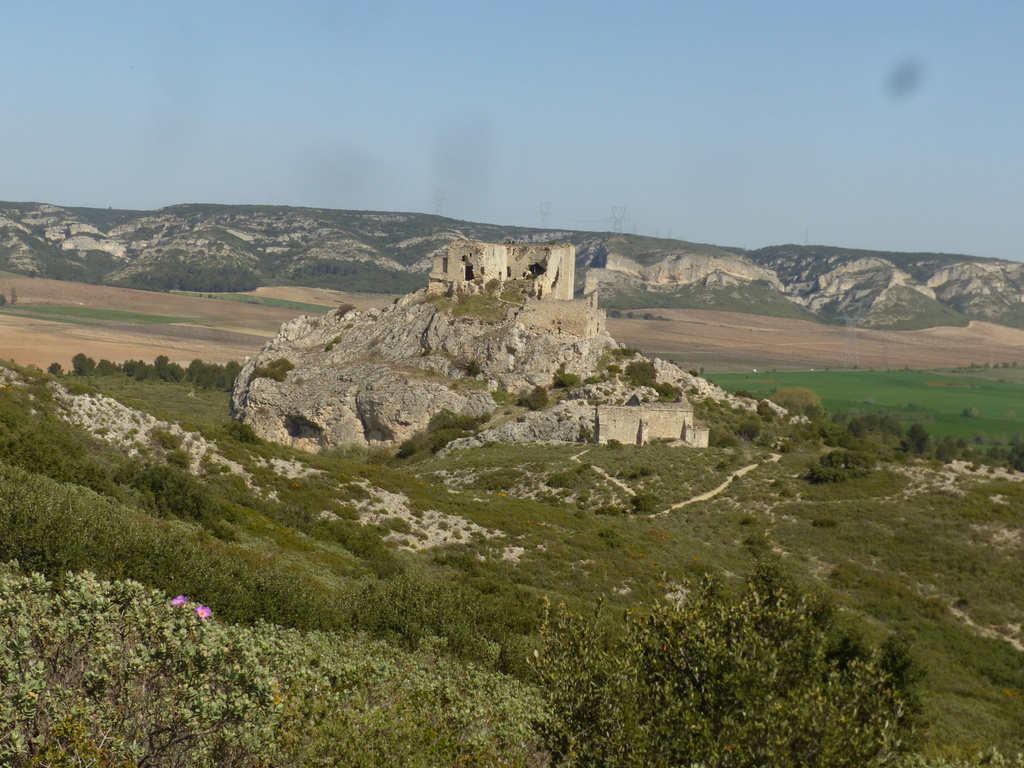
(379,376)
(211,248)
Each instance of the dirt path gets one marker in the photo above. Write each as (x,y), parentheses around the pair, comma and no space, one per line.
(605,475)
(721,487)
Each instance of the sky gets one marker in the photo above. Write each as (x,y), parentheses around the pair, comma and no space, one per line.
(885,125)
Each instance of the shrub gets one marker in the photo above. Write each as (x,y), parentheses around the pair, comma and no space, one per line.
(114,674)
(644,503)
(565,381)
(537,400)
(759,678)
(667,393)
(276,369)
(107,673)
(749,428)
(442,428)
(841,465)
(243,433)
(641,373)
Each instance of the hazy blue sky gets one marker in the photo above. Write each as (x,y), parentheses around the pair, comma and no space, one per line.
(886,125)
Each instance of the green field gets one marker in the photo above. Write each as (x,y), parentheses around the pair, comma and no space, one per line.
(937,399)
(265,301)
(78,314)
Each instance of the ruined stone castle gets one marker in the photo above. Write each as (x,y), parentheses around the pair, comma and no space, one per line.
(637,423)
(470,265)
(547,271)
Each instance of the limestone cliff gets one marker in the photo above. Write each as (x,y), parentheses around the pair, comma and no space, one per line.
(379,376)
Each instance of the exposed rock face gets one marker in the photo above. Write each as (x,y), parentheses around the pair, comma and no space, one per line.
(379,376)
(235,248)
(681,269)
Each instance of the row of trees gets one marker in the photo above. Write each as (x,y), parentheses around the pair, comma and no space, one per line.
(198,372)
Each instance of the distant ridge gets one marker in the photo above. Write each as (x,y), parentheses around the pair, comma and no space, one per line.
(214,248)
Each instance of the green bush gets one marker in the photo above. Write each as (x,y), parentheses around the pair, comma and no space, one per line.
(537,400)
(644,503)
(275,369)
(641,373)
(114,674)
(759,678)
(115,541)
(841,465)
(565,381)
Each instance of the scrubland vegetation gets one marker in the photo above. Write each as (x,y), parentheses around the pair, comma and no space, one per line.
(853,599)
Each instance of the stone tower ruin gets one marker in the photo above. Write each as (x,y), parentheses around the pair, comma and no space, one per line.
(549,270)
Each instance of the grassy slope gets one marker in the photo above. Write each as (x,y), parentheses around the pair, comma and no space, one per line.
(898,550)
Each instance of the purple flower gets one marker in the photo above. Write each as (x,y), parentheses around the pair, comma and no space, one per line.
(179,601)
(203,612)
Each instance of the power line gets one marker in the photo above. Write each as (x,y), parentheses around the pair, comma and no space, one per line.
(439,199)
(545,209)
(618,217)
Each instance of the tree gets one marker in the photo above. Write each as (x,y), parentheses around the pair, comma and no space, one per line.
(799,401)
(55,369)
(918,440)
(82,365)
(107,368)
(14,295)
(760,678)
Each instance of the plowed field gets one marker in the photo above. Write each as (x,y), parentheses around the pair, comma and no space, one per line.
(218,331)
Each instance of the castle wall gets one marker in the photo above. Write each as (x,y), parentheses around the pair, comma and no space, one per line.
(579,317)
(640,424)
(469,264)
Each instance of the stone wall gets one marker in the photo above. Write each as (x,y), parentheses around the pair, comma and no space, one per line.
(468,265)
(641,423)
(578,317)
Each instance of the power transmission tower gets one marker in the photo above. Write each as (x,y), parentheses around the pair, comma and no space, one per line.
(439,199)
(618,217)
(545,209)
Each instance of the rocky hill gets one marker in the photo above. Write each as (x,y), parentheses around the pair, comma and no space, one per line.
(378,377)
(234,248)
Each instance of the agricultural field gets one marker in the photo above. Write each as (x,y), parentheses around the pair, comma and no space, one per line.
(53,320)
(982,405)
(737,342)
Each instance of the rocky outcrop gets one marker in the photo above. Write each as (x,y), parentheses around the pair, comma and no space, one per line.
(379,376)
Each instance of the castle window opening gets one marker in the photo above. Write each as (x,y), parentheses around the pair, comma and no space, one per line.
(469,272)
(537,269)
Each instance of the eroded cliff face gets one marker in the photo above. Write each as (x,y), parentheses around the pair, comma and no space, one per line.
(621,272)
(379,376)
